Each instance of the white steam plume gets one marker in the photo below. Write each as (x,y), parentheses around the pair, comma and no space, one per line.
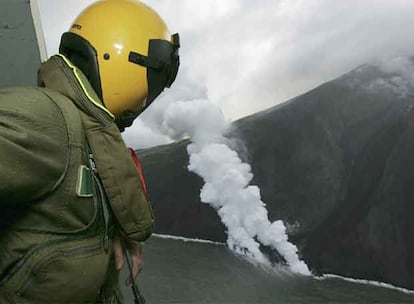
(227,181)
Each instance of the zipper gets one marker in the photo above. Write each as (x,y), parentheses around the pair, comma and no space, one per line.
(53,256)
(101,197)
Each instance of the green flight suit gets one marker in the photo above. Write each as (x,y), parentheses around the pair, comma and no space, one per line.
(67,184)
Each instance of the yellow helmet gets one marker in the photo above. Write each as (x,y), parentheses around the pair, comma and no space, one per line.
(126,52)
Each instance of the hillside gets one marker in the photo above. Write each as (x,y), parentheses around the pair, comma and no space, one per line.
(335,164)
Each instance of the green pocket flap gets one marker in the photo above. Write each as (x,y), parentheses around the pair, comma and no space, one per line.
(84,184)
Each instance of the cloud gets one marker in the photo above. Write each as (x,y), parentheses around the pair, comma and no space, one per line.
(398,78)
(260,53)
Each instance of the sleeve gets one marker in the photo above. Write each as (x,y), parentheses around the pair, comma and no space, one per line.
(33,145)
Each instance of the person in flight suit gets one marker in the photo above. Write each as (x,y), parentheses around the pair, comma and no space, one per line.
(71,198)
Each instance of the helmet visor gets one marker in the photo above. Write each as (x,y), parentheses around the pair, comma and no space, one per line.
(162,65)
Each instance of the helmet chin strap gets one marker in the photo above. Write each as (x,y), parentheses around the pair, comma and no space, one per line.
(126,119)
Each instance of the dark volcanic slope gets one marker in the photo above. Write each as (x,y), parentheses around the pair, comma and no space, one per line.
(187,272)
(336,164)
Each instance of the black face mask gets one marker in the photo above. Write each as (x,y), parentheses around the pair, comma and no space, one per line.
(162,65)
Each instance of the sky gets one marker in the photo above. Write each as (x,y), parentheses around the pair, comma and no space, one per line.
(245,56)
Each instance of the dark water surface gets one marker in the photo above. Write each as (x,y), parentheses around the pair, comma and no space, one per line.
(186,272)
